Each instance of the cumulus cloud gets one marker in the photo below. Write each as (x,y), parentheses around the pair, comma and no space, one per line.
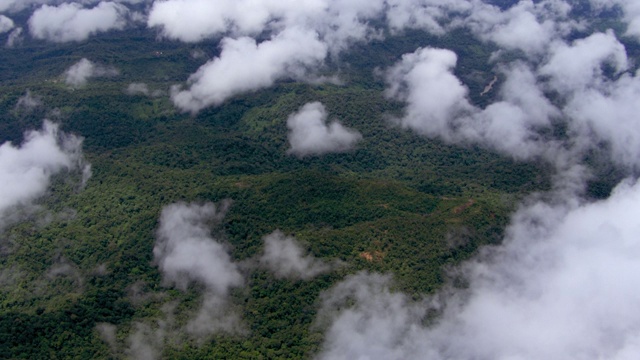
(437,105)
(195,20)
(244,65)
(6,24)
(309,133)
(73,22)
(428,15)
(562,286)
(186,253)
(526,26)
(79,73)
(434,95)
(518,124)
(284,256)
(575,67)
(632,15)
(302,34)
(26,170)
(611,115)
(563,282)
(515,125)
(630,8)
(328,27)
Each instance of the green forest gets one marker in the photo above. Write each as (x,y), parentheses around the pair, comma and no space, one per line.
(399,203)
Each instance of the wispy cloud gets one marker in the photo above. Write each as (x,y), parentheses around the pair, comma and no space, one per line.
(309,133)
(186,253)
(26,170)
(79,73)
(284,256)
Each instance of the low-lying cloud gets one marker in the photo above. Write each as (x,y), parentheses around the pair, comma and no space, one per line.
(72,22)
(28,101)
(26,170)
(187,253)
(309,133)
(79,73)
(137,89)
(562,286)
(285,258)
(14,38)
(6,24)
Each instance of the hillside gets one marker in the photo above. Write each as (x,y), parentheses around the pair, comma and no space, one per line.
(200,231)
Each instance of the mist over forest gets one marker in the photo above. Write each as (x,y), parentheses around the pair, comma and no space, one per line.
(321,179)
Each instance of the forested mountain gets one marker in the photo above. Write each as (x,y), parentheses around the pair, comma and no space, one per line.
(326,179)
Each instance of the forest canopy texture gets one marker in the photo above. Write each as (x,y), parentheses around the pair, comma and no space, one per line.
(319,179)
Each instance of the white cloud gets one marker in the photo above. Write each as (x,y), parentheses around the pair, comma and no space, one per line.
(428,15)
(79,73)
(107,333)
(28,101)
(434,95)
(186,253)
(147,342)
(6,24)
(284,256)
(16,5)
(525,26)
(367,321)
(14,38)
(309,133)
(195,20)
(631,9)
(143,89)
(73,22)
(578,66)
(632,15)
(563,286)
(244,65)
(137,89)
(611,114)
(26,170)
(514,124)
(519,123)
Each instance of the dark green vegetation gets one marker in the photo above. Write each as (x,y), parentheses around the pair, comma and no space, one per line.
(400,203)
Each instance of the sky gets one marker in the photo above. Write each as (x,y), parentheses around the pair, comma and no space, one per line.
(565,282)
